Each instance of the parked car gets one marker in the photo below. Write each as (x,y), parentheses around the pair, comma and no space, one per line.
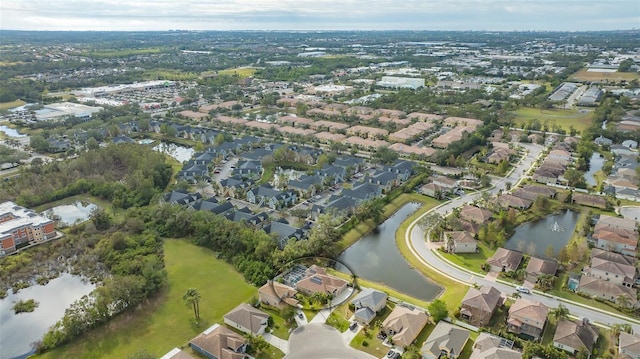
(300,315)
(523,290)
(353,326)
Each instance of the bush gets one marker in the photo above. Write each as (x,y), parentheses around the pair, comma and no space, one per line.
(365,343)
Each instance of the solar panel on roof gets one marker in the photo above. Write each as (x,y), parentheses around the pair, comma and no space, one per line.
(316,280)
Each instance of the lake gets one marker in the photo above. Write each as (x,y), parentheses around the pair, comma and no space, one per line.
(180,153)
(534,237)
(375,257)
(69,214)
(20,330)
(595,165)
(11,132)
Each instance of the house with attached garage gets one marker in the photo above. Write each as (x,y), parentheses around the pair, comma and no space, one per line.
(446,341)
(219,342)
(574,336)
(528,318)
(265,195)
(247,319)
(479,305)
(404,324)
(367,304)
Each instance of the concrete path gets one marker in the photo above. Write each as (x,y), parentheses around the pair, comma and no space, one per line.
(281,344)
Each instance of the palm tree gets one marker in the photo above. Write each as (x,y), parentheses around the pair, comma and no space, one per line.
(623,301)
(192,297)
(561,312)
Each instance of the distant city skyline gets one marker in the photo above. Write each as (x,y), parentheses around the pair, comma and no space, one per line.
(490,15)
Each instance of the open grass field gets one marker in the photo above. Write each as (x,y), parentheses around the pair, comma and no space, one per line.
(243,72)
(562,117)
(12,104)
(166,322)
(584,75)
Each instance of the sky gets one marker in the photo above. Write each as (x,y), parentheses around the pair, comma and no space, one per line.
(494,15)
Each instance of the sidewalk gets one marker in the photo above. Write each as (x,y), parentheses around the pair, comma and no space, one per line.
(281,344)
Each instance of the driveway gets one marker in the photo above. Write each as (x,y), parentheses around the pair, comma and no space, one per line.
(281,344)
(320,341)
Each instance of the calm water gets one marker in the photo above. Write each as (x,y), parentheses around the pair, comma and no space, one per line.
(11,132)
(375,257)
(595,165)
(18,331)
(535,237)
(180,153)
(69,214)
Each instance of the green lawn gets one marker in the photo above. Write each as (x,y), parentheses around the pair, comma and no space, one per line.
(242,72)
(471,261)
(562,117)
(454,291)
(373,345)
(280,328)
(166,322)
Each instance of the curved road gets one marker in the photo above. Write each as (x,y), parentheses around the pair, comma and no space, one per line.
(414,238)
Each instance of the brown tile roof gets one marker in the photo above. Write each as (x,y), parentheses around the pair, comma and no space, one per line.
(247,317)
(615,237)
(475,214)
(629,344)
(624,270)
(589,200)
(486,298)
(539,266)
(534,311)
(220,342)
(617,224)
(282,291)
(488,346)
(605,289)
(318,281)
(508,200)
(612,257)
(576,335)
(543,190)
(406,323)
(505,258)
(461,236)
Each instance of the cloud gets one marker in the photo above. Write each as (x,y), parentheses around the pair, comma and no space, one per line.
(319,14)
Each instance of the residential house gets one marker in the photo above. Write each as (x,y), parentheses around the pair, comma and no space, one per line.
(248,169)
(265,195)
(367,304)
(404,324)
(504,260)
(450,185)
(574,336)
(284,232)
(538,267)
(350,164)
(527,317)
(317,280)
(589,200)
(630,143)
(363,192)
(433,190)
(386,180)
(403,168)
(247,319)
(59,145)
(616,240)
(617,272)
(277,295)
(205,204)
(479,305)
(629,346)
(181,197)
(122,139)
(603,141)
(541,190)
(218,342)
(176,353)
(510,201)
(560,155)
(332,174)
(475,214)
(599,288)
(461,242)
(489,346)
(306,186)
(446,341)
(192,172)
(234,187)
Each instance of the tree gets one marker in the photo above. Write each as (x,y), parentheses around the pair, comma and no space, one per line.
(100,218)
(412,352)
(192,297)
(561,312)
(623,301)
(370,209)
(39,143)
(257,344)
(485,181)
(385,156)
(549,252)
(92,143)
(219,139)
(438,310)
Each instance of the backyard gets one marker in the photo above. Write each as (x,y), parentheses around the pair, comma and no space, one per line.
(166,322)
(471,261)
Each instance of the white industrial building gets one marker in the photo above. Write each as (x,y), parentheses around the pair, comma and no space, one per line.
(400,82)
